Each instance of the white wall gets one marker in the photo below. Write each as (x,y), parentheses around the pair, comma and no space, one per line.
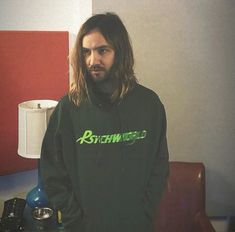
(185,51)
(52,15)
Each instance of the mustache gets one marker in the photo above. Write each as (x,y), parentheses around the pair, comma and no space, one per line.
(96,67)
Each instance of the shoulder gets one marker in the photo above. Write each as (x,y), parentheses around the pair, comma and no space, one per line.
(62,108)
(62,111)
(65,103)
(64,100)
(145,95)
(151,103)
(145,91)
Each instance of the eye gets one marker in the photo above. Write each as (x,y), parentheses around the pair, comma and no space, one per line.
(86,52)
(102,50)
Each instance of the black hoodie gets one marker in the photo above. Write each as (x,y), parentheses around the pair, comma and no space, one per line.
(105,168)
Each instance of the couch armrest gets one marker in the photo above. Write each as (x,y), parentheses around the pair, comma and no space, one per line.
(202,223)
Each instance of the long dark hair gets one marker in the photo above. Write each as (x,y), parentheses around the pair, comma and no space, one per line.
(115,33)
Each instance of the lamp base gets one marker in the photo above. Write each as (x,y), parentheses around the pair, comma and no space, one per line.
(37,197)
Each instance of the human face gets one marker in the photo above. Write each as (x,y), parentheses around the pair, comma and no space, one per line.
(98,55)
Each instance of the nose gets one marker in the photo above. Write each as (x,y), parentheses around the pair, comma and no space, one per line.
(94,58)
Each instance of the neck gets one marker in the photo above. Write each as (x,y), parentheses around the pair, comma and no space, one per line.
(103,91)
(106,87)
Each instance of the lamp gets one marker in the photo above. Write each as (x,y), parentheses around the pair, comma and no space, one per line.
(33,118)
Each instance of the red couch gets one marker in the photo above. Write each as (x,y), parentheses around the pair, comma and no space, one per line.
(182,208)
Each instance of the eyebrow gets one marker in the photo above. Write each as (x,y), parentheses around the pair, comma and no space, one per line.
(97,48)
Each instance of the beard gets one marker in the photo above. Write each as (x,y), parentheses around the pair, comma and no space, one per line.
(98,74)
(101,79)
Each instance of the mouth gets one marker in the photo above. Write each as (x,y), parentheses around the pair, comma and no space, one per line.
(96,68)
(97,72)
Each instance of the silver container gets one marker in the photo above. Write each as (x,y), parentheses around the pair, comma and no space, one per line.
(42,213)
(44,219)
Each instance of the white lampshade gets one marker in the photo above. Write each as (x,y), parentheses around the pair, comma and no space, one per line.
(33,118)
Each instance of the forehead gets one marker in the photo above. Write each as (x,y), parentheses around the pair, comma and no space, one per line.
(94,39)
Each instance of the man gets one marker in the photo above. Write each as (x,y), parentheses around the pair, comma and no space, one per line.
(104,158)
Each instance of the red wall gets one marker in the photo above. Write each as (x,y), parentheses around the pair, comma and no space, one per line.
(33,65)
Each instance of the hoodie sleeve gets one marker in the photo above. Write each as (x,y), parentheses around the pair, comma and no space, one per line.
(160,168)
(54,174)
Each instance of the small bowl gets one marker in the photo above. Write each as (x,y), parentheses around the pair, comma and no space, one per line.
(42,213)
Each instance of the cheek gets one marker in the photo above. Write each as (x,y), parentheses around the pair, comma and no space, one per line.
(87,62)
(111,61)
